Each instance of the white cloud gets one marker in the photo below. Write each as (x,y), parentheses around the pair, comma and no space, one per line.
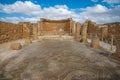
(112,1)
(26,7)
(56,12)
(101,14)
(96,9)
(97,13)
(20,19)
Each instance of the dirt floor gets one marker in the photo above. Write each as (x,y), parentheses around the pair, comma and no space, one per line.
(57,60)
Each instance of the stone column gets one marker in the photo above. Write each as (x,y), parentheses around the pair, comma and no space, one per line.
(74,28)
(71,26)
(104,32)
(38,24)
(78,27)
(95,42)
(35,32)
(41,26)
(117,53)
(84,31)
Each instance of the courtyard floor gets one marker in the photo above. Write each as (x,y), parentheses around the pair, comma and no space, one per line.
(57,60)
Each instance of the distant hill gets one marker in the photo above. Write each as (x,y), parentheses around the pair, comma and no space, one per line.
(112,23)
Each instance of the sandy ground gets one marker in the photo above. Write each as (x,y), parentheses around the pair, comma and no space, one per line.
(57,60)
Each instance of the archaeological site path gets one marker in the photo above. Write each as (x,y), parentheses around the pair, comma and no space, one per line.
(59,60)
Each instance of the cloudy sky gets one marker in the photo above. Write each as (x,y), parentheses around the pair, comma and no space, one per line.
(99,11)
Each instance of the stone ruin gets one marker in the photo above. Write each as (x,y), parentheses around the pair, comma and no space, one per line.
(10,31)
(16,46)
(84,31)
(28,41)
(66,27)
(68,66)
(95,42)
(54,27)
(78,31)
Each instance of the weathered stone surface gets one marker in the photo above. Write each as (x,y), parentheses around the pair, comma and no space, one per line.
(92,27)
(26,29)
(28,41)
(95,42)
(114,29)
(35,32)
(16,46)
(78,31)
(104,33)
(84,31)
(53,27)
(10,32)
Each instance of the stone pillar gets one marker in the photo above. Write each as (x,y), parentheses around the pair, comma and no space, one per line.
(117,53)
(74,29)
(78,27)
(26,30)
(41,26)
(84,31)
(35,32)
(71,26)
(38,25)
(95,42)
(28,41)
(104,33)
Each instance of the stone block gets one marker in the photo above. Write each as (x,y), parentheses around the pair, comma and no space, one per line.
(35,36)
(95,43)
(16,46)
(28,41)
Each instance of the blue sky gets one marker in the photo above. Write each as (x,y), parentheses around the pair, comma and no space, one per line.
(99,11)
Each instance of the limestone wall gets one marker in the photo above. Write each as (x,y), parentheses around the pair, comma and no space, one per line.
(27,29)
(114,29)
(10,31)
(35,31)
(54,27)
(78,31)
(93,29)
(104,33)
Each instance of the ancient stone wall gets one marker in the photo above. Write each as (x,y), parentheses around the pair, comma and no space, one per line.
(54,27)
(104,33)
(78,31)
(35,31)
(93,29)
(114,29)
(27,29)
(10,31)
(84,31)
(109,30)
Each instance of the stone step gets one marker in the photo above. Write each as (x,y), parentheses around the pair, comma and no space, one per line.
(57,37)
